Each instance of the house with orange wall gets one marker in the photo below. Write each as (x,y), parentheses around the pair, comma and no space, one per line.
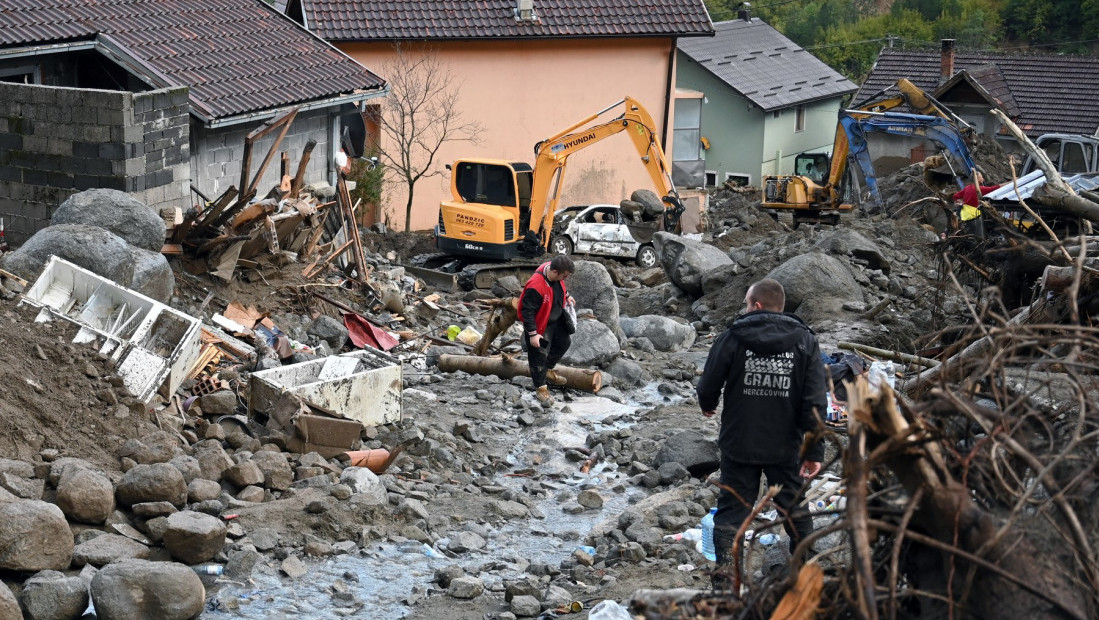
(527,69)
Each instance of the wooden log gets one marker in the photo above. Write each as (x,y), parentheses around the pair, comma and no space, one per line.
(281,121)
(507,367)
(1056,279)
(504,314)
(299,177)
(890,355)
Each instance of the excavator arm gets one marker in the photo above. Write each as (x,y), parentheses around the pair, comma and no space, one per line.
(553,153)
(940,131)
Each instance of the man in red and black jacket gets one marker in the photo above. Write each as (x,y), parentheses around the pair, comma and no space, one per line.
(545,333)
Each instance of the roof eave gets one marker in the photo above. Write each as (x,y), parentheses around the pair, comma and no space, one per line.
(660,35)
(327,102)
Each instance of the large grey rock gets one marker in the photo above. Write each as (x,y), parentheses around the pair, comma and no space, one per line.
(816,275)
(593,344)
(34,537)
(592,287)
(50,595)
(115,211)
(153,275)
(365,482)
(846,242)
(665,333)
(143,590)
(329,330)
(212,459)
(649,201)
(107,548)
(277,474)
(158,482)
(85,496)
(627,372)
(691,450)
(687,261)
(193,537)
(9,607)
(90,247)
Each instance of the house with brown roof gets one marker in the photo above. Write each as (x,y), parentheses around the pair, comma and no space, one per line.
(1041,93)
(762,101)
(527,69)
(155,98)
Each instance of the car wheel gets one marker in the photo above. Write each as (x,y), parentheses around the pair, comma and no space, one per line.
(646,257)
(561,245)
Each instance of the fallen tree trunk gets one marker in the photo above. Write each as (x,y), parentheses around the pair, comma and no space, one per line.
(504,314)
(507,367)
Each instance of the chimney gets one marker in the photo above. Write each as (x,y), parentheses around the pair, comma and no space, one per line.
(946,63)
(524,11)
(745,11)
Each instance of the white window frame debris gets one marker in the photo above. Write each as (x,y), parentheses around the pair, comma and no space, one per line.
(153,345)
(361,385)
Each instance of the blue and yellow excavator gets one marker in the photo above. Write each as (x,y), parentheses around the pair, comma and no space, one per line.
(816,197)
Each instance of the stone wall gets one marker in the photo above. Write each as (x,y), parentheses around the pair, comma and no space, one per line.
(216,154)
(56,141)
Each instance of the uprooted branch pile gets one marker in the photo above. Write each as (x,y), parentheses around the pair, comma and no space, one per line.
(971,490)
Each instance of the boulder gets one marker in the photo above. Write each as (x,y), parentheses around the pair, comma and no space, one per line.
(157,482)
(651,205)
(665,333)
(107,548)
(50,595)
(90,247)
(144,590)
(116,211)
(593,289)
(193,537)
(593,344)
(329,330)
(277,474)
(153,275)
(85,496)
(816,275)
(9,606)
(691,450)
(35,537)
(846,242)
(687,261)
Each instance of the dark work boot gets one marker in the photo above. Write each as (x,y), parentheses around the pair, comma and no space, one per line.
(722,578)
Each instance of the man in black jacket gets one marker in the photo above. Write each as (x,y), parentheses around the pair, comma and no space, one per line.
(769,367)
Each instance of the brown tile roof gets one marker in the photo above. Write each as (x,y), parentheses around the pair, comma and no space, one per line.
(987,80)
(238,56)
(390,20)
(1053,93)
(763,65)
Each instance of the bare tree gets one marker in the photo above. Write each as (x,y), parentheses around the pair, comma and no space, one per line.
(419,116)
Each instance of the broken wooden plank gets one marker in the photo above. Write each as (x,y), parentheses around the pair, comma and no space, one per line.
(299,177)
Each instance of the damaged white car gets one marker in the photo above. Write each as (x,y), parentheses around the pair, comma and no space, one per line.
(604,230)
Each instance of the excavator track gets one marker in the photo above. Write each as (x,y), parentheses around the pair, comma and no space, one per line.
(453,272)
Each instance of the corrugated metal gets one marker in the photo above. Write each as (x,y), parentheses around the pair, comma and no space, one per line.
(359,20)
(763,65)
(238,56)
(1053,93)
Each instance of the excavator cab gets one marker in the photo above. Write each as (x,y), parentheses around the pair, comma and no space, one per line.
(489,214)
(812,165)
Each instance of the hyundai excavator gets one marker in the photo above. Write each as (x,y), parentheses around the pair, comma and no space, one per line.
(816,197)
(500,215)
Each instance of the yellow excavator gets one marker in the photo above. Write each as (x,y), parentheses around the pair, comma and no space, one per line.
(819,189)
(502,212)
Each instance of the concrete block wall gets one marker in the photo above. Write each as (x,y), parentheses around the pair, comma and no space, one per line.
(217,154)
(57,141)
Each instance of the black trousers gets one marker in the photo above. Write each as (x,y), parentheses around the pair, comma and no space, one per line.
(744,478)
(555,343)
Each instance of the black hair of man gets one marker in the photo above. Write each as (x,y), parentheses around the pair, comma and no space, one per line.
(769,293)
(562,264)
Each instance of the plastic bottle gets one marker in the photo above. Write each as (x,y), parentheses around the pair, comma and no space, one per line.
(693,534)
(209,569)
(708,536)
(767,539)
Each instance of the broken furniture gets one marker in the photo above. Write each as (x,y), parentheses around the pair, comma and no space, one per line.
(354,389)
(152,344)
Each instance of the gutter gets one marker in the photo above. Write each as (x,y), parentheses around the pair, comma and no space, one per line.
(44,50)
(302,107)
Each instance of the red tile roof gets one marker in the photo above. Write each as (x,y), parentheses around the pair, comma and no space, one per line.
(389,20)
(1052,93)
(237,56)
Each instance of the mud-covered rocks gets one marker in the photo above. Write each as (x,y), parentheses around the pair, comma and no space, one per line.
(116,211)
(691,450)
(34,537)
(686,261)
(593,343)
(106,548)
(665,333)
(50,595)
(144,590)
(9,606)
(193,537)
(815,276)
(90,247)
(593,289)
(152,483)
(85,496)
(153,275)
